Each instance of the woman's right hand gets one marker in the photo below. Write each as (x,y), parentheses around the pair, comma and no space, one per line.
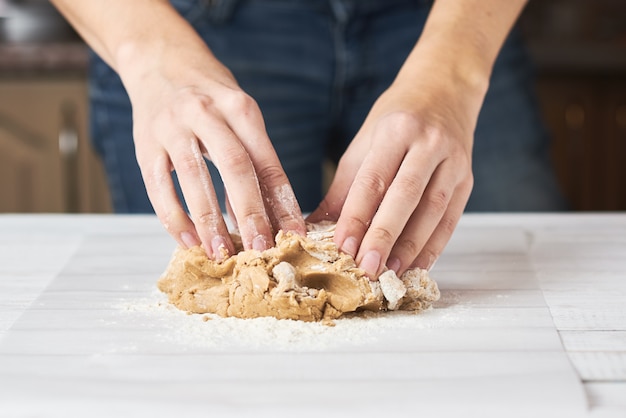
(187,106)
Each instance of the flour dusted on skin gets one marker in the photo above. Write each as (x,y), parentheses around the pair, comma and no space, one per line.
(285,198)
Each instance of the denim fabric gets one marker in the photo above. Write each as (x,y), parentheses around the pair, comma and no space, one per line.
(315,67)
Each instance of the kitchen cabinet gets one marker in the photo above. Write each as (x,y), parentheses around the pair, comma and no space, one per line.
(579,48)
(46,160)
(586,115)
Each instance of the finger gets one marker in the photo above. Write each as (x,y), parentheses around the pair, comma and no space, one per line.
(399,203)
(156,171)
(435,204)
(364,196)
(282,205)
(442,234)
(197,187)
(245,119)
(240,182)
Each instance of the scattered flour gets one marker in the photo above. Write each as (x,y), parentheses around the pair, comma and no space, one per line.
(209,332)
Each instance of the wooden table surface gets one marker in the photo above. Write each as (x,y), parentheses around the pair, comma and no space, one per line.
(532,322)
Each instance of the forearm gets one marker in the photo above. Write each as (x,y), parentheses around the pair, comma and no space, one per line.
(135,37)
(461,41)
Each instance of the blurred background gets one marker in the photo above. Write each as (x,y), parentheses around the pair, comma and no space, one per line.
(47,164)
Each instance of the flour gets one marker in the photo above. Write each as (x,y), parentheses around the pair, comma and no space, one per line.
(193,332)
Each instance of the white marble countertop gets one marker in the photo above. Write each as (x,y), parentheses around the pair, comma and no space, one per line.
(532,322)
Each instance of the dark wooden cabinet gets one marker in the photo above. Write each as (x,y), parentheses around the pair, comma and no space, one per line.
(586,116)
(579,48)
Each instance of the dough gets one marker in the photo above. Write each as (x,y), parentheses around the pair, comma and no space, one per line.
(303,278)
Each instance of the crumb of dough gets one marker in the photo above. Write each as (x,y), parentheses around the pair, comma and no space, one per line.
(301,278)
(392,287)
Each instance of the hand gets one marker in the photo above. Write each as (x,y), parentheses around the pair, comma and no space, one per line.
(400,187)
(403,183)
(182,114)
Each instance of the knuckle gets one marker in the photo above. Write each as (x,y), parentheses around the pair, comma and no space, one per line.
(236,158)
(188,164)
(400,123)
(447,225)
(410,186)
(208,219)
(284,218)
(241,103)
(253,215)
(371,183)
(271,175)
(156,176)
(195,105)
(382,235)
(409,247)
(438,200)
(357,224)
(360,223)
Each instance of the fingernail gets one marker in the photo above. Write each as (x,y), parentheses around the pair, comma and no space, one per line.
(393,264)
(298,230)
(189,239)
(427,265)
(350,246)
(432,263)
(370,263)
(259,243)
(219,247)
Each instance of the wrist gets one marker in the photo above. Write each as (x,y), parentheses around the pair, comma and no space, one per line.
(456,66)
(176,56)
(459,83)
(461,40)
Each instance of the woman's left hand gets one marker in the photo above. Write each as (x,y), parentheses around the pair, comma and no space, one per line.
(403,183)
